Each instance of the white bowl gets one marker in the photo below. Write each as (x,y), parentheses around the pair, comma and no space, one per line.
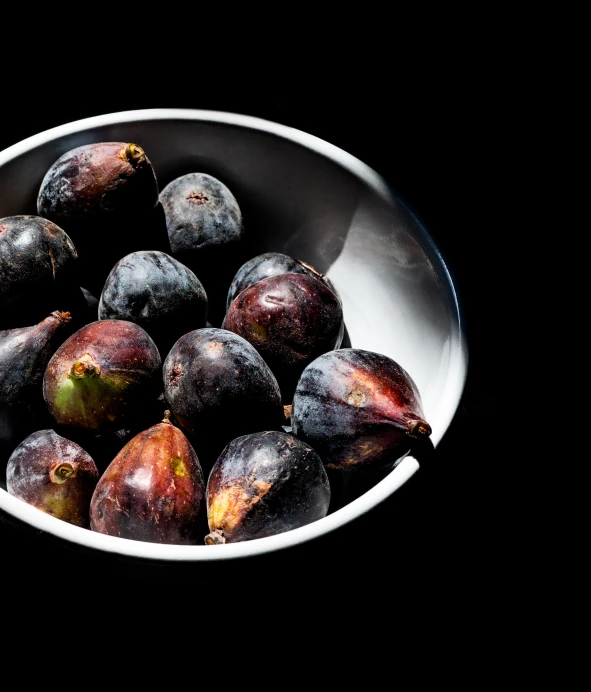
(313,201)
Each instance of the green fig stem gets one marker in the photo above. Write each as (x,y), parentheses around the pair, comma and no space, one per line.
(418,428)
(132,153)
(60,471)
(85,367)
(214,538)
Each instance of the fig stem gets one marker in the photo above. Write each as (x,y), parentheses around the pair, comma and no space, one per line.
(287,409)
(418,428)
(214,538)
(85,367)
(166,417)
(60,471)
(63,317)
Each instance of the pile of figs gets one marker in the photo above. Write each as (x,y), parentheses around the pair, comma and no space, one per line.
(160,383)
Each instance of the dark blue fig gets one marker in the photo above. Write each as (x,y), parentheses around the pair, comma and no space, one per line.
(290,319)
(156,291)
(358,408)
(218,387)
(105,195)
(206,232)
(53,474)
(263,484)
(38,272)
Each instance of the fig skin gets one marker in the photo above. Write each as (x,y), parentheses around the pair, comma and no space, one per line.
(290,319)
(263,484)
(153,490)
(102,376)
(24,354)
(206,232)
(38,272)
(156,291)
(55,475)
(218,387)
(105,195)
(357,409)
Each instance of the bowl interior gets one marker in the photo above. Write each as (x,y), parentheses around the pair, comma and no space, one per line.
(304,197)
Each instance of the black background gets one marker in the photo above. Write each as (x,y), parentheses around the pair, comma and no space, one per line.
(435,137)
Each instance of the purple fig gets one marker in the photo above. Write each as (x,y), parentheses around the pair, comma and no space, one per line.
(102,375)
(290,319)
(153,490)
(270,264)
(218,387)
(105,195)
(38,272)
(263,484)
(24,354)
(53,474)
(358,408)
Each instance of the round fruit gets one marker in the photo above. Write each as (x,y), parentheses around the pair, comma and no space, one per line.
(102,375)
(263,484)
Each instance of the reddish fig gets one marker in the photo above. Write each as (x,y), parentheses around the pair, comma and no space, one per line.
(105,196)
(263,484)
(53,474)
(358,408)
(24,354)
(290,319)
(153,490)
(102,375)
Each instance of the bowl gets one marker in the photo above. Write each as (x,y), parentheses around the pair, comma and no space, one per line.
(302,196)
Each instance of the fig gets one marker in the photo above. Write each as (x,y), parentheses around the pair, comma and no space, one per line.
(263,484)
(206,232)
(102,376)
(270,264)
(290,319)
(105,195)
(358,408)
(156,291)
(218,387)
(24,354)
(53,474)
(153,490)
(38,272)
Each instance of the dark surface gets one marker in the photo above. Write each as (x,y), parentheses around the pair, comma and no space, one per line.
(436,147)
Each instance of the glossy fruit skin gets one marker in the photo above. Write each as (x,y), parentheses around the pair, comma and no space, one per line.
(153,490)
(263,484)
(358,408)
(290,319)
(55,475)
(218,387)
(38,272)
(156,291)
(24,354)
(101,376)
(105,195)
(206,232)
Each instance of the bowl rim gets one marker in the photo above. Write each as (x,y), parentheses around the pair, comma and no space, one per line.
(405,468)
